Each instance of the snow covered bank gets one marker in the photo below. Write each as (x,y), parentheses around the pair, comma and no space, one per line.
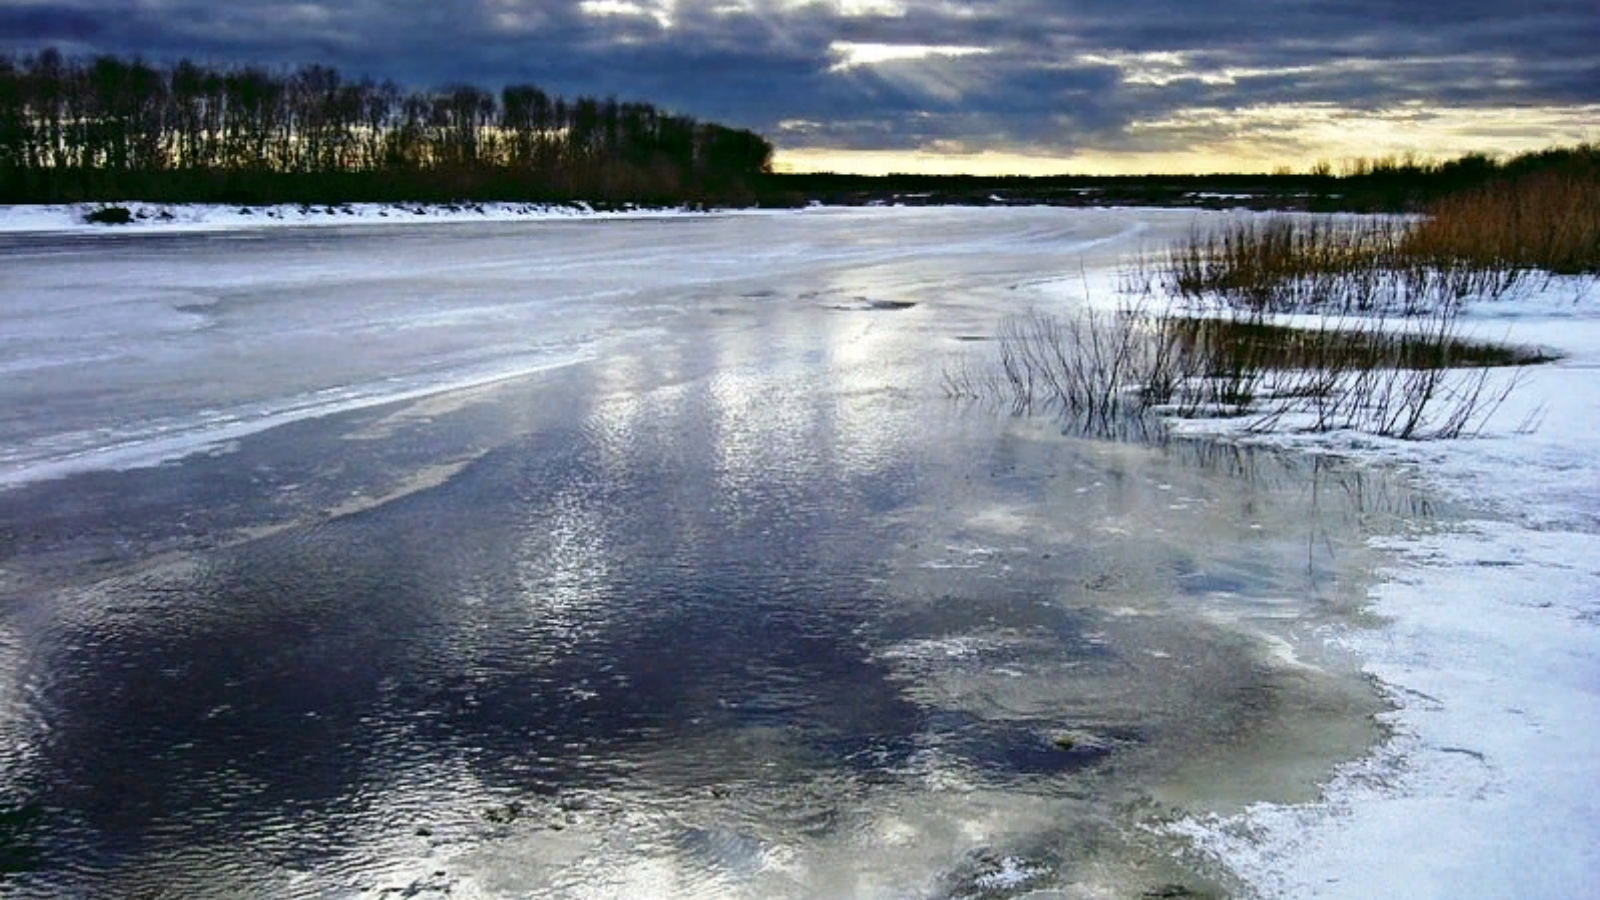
(221,217)
(1490,785)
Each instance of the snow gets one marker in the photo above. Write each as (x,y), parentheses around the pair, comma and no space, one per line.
(1490,651)
(162,217)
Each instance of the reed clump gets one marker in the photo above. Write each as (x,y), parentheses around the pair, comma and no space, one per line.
(1328,265)
(1548,220)
(1374,345)
(1539,216)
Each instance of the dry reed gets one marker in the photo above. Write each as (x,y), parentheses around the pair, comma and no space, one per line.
(1343,266)
(1544,220)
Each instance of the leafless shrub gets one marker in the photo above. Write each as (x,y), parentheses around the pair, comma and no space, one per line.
(1363,375)
(1101,370)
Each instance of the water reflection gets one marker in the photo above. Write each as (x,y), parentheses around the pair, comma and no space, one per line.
(617,620)
(669,642)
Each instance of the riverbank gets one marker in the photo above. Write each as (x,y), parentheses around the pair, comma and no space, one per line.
(1488,647)
(148,216)
(1490,652)
(188,217)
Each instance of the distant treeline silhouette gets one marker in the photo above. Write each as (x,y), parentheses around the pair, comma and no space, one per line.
(1407,184)
(1365,186)
(1389,184)
(107,129)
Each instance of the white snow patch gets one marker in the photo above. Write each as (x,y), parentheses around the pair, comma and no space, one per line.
(1012,874)
(193,217)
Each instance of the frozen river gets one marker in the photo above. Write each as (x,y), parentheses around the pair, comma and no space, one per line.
(123,349)
(628,559)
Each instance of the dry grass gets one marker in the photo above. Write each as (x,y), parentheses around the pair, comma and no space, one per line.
(1421,383)
(1481,243)
(1544,220)
(1345,265)
(1210,348)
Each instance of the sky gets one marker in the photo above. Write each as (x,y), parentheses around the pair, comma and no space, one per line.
(979,86)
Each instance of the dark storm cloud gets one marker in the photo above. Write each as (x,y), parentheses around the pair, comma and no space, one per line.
(1062,75)
(32,24)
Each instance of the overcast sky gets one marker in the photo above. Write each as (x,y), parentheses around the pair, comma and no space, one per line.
(949,85)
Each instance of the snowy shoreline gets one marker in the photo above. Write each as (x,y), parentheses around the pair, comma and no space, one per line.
(192,217)
(1490,653)
(178,218)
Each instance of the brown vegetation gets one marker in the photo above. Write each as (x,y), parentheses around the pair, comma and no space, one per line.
(1542,215)
(1547,219)
(1348,266)
(1214,349)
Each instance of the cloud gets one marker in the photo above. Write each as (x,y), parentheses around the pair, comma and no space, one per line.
(851,55)
(26,24)
(1028,77)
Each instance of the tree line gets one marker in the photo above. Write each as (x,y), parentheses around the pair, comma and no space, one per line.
(109,129)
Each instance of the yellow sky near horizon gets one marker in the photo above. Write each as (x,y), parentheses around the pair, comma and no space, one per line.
(1255,139)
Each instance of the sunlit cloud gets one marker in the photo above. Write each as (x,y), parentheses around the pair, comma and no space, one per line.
(306,14)
(849,9)
(927,162)
(849,54)
(660,11)
(1166,68)
(862,8)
